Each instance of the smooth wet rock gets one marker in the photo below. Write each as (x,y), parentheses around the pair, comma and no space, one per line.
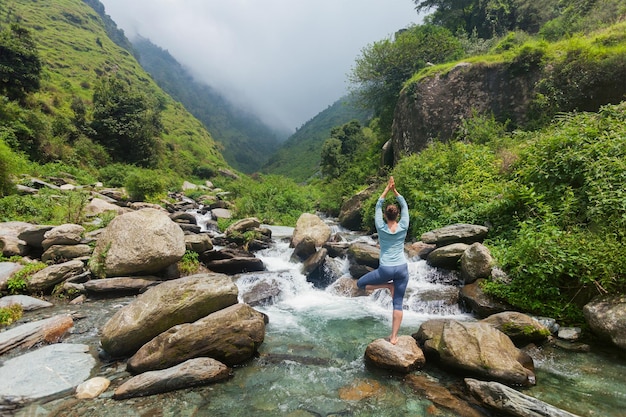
(346,286)
(141,242)
(26,302)
(447,256)
(440,395)
(183,300)
(242,226)
(198,243)
(46,371)
(24,336)
(479,302)
(304,249)
(231,335)
(360,390)
(65,234)
(569,333)
(476,348)
(261,293)
(237,265)
(364,254)
(121,285)
(98,206)
(419,249)
(92,388)
(191,373)
(405,356)
(512,402)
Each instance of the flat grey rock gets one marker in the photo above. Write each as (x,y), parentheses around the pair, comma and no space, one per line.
(28,303)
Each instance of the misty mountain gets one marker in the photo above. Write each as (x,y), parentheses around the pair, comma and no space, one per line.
(299,157)
(247,142)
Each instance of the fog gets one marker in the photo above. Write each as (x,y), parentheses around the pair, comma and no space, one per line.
(285,60)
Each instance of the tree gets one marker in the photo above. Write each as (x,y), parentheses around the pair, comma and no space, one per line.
(20,66)
(126,122)
(384,66)
(341,148)
(490,17)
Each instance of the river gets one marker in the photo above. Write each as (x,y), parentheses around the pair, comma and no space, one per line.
(311,362)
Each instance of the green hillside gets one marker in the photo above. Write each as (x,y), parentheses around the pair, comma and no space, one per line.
(299,157)
(77,56)
(247,142)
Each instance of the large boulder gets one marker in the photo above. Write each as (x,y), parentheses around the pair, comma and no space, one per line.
(480,303)
(54,274)
(231,336)
(34,235)
(98,206)
(522,329)
(477,349)
(140,242)
(350,215)
(447,256)
(310,225)
(456,233)
(184,300)
(363,254)
(12,246)
(242,226)
(476,262)
(198,243)
(405,356)
(191,373)
(606,317)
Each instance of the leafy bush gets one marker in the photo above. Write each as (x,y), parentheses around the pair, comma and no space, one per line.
(145,184)
(18,283)
(6,168)
(189,264)
(10,314)
(115,175)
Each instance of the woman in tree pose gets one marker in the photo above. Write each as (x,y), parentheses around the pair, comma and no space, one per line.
(393,272)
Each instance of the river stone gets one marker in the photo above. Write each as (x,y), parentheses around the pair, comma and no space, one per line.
(231,336)
(13,228)
(522,329)
(92,388)
(261,292)
(98,206)
(346,287)
(304,249)
(7,269)
(310,225)
(124,285)
(236,265)
(405,356)
(221,213)
(419,249)
(350,215)
(364,254)
(24,336)
(12,246)
(191,373)
(34,235)
(65,252)
(26,302)
(46,371)
(447,256)
(571,334)
(440,395)
(479,302)
(54,274)
(476,262)
(140,242)
(512,402)
(456,233)
(337,249)
(198,243)
(65,234)
(475,348)
(606,317)
(184,218)
(173,302)
(242,226)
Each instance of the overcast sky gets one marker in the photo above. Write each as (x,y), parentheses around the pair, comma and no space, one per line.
(286,60)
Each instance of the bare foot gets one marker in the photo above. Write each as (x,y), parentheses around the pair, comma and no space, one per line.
(393,340)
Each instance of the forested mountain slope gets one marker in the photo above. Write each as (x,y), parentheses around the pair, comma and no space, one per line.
(79,60)
(299,157)
(246,141)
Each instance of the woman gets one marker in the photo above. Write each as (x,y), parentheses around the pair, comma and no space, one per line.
(393,271)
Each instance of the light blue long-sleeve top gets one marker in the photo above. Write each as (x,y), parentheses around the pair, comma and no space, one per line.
(392,244)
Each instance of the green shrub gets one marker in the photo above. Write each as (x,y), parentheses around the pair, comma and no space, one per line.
(145,184)
(115,175)
(10,314)
(6,169)
(18,282)
(189,264)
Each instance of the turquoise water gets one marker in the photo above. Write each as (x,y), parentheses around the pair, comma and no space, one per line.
(311,363)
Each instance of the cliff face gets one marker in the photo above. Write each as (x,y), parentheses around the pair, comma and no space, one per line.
(433,109)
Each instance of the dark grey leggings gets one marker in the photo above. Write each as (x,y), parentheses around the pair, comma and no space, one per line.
(398,274)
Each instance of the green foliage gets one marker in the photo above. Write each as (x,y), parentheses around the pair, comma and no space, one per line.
(7,158)
(145,184)
(126,122)
(583,16)
(341,148)
(18,282)
(383,67)
(10,314)
(272,199)
(20,65)
(189,264)
(115,175)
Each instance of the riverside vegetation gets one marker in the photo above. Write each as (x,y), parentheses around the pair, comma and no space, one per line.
(551,191)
